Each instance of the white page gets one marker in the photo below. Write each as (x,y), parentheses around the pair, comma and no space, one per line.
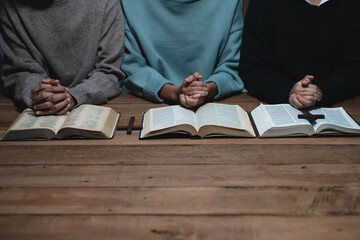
(30,120)
(279,117)
(335,116)
(262,121)
(218,114)
(166,117)
(282,115)
(87,117)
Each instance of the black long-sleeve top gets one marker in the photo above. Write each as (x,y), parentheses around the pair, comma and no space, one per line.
(285,40)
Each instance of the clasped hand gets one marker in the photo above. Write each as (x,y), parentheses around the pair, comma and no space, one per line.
(50,98)
(304,94)
(193,92)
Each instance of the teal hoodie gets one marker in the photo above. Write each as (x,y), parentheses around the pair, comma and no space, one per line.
(168,40)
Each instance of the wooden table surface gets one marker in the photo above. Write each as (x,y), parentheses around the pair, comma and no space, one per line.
(126,188)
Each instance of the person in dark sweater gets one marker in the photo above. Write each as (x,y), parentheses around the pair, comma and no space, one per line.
(62,53)
(305,52)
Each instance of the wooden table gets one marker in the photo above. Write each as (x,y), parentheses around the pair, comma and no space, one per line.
(125,188)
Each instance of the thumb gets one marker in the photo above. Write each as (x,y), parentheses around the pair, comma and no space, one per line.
(190,79)
(197,76)
(54,82)
(307,80)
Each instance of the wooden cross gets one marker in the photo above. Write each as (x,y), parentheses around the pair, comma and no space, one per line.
(311,117)
(130,127)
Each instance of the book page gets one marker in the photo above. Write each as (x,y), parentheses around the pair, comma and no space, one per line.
(166,117)
(283,115)
(218,114)
(280,120)
(261,120)
(89,117)
(30,121)
(334,116)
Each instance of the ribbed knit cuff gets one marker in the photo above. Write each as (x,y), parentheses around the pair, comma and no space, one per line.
(226,85)
(152,89)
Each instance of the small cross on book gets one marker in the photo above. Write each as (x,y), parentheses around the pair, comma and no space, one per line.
(307,115)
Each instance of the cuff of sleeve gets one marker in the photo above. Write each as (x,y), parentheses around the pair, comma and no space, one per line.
(25,95)
(332,95)
(338,87)
(78,96)
(226,84)
(152,89)
(280,94)
(30,83)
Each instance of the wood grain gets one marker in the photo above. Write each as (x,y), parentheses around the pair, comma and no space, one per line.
(179,175)
(112,227)
(179,154)
(277,201)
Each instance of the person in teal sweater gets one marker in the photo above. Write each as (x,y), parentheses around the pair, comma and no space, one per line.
(182,51)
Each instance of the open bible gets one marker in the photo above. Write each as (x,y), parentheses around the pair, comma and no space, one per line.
(211,119)
(85,121)
(282,120)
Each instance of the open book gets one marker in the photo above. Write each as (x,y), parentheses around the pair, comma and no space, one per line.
(85,121)
(282,120)
(212,119)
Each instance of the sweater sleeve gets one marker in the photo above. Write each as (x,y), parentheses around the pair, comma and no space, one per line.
(142,80)
(104,81)
(20,71)
(226,75)
(257,68)
(344,81)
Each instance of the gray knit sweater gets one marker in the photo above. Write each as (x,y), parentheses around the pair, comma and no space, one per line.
(78,42)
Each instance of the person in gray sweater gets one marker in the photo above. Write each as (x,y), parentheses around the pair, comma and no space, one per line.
(60,53)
